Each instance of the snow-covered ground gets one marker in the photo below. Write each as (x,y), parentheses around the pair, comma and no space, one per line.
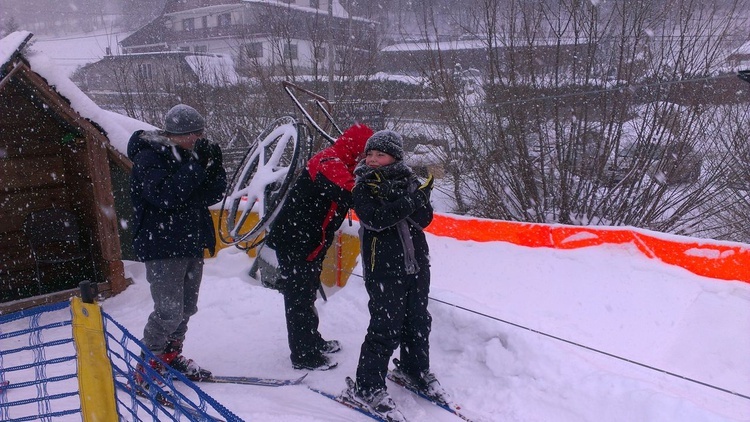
(519,334)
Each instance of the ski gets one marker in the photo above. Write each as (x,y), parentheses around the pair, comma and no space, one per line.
(348,403)
(264,382)
(401,380)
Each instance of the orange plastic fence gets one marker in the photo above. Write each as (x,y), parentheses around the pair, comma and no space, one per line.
(715,259)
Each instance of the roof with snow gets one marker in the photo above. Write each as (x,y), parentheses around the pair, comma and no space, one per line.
(162,33)
(469,44)
(181,5)
(117,127)
(743,50)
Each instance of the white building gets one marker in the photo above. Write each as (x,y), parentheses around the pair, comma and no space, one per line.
(288,33)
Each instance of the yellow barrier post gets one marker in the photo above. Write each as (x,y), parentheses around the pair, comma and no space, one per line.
(339,262)
(95,383)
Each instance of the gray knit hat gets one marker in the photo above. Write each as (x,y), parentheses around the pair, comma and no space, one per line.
(182,119)
(386,141)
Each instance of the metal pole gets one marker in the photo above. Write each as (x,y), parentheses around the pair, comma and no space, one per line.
(88,291)
(332,53)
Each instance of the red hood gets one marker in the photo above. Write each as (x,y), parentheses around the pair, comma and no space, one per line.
(351,143)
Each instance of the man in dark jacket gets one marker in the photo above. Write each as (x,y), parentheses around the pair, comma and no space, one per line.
(177,174)
(301,234)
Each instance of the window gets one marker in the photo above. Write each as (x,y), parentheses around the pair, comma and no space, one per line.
(204,22)
(315,4)
(225,19)
(144,70)
(188,24)
(254,50)
(320,53)
(290,51)
(200,49)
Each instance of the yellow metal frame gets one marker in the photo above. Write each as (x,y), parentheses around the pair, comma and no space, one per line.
(95,381)
(340,260)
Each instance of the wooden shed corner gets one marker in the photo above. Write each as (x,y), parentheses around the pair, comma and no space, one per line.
(51,158)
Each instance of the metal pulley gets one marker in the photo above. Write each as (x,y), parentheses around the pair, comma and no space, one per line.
(259,186)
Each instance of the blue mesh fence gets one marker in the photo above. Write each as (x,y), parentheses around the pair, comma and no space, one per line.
(38,370)
(38,374)
(168,397)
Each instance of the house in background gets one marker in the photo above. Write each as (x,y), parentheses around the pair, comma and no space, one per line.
(460,55)
(112,79)
(739,59)
(165,70)
(295,33)
(58,150)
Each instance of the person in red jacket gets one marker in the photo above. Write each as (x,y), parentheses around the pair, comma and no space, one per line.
(301,234)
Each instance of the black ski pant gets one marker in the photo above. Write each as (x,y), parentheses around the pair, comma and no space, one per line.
(300,280)
(398,317)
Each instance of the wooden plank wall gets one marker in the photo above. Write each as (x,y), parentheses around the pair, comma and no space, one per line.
(46,156)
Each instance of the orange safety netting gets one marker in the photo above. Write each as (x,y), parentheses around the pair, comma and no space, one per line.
(709,258)
(715,259)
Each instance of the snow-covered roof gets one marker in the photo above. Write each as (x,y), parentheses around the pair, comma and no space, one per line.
(10,44)
(215,70)
(425,155)
(744,49)
(468,44)
(338,10)
(442,45)
(118,127)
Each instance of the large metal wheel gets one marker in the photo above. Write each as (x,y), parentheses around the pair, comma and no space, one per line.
(262,181)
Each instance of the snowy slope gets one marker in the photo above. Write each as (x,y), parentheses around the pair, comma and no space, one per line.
(523,352)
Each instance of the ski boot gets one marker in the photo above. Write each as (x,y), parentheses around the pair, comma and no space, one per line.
(376,402)
(173,357)
(319,363)
(425,383)
(330,346)
(148,380)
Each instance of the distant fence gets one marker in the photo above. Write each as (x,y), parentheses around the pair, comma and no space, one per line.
(71,358)
(706,257)
(709,258)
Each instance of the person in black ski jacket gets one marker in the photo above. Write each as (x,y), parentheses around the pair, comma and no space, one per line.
(393,208)
(300,236)
(177,174)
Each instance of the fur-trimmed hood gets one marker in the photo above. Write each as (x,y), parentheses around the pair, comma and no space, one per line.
(157,141)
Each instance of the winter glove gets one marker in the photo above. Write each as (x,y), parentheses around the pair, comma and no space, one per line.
(215,159)
(426,187)
(201,151)
(386,189)
(209,155)
(421,197)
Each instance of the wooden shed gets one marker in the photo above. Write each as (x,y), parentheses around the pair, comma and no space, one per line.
(51,157)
